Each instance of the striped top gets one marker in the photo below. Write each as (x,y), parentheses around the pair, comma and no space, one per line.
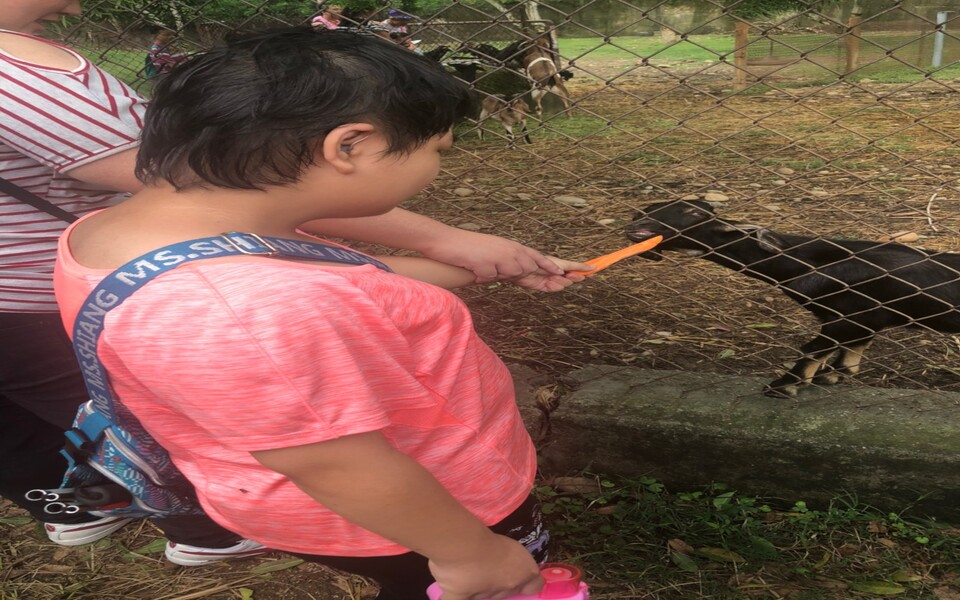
(51,121)
(222,357)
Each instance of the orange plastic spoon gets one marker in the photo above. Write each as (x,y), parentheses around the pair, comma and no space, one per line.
(602,262)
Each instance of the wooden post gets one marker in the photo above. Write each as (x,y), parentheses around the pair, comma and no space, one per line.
(740,40)
(853,42)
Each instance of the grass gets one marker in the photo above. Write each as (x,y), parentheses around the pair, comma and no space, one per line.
(125,65)
(699,47)
(640,541)
(696,48)
(633,538)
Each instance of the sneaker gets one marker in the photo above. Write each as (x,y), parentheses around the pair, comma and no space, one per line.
(78,534)
(193,556)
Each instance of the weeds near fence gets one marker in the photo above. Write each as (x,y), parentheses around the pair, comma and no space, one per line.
(635,539)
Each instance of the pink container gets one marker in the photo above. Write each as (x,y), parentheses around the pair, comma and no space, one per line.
(560,582)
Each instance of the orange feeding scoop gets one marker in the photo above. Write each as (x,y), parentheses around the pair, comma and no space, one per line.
(602,262)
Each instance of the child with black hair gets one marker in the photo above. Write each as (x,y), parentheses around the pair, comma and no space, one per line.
(345,414)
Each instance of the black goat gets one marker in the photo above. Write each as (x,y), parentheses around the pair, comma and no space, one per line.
(855,288)
(437,53)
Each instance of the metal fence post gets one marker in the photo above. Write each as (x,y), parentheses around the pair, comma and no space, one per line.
(938,38)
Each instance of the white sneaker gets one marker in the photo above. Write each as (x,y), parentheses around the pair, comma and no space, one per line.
(78,534)
(192,556)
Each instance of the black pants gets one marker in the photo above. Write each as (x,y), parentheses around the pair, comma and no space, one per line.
(40,391)
(407,576)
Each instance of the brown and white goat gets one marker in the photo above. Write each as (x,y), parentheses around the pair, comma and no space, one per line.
(509,111)
(540,66)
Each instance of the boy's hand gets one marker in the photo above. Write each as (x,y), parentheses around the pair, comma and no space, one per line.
(500,568)
(544,282)
(492,258)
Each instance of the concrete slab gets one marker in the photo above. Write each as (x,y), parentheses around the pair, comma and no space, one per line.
(887,447)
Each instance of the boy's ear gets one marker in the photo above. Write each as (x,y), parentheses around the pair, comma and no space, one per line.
(338,147)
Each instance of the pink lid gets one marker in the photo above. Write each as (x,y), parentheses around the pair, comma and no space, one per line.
(559,580)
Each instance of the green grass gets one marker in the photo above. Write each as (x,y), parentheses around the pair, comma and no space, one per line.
(637,538)
(712,47)
(648,47)
(125,65)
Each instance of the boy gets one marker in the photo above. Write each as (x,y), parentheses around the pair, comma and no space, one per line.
(345,414)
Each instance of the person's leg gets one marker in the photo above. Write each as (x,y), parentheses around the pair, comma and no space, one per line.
(407,576)
(30,459)
(40,390)
(400,577)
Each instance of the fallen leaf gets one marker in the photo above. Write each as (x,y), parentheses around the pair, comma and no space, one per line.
(157,545)
(684,562)
(902,237)
(277,565)
(876,527)
(830,584)
(61,553)
(848,549)
(720,554)
(575,485)
(763,548)
(905,575)
(881,588)
(680,546)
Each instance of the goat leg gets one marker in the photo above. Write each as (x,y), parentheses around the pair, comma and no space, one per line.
(845,339)
(815,353)
(484,115)
(845,364)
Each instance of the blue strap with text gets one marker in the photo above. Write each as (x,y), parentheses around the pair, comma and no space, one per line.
(120,285)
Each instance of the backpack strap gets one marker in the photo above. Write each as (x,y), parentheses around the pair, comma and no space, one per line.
(12,189)
(122,283)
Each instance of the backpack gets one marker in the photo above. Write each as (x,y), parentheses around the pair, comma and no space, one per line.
(115,468)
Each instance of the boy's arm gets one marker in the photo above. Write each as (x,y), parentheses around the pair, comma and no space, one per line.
(368,482)
(450,277)
(489,257)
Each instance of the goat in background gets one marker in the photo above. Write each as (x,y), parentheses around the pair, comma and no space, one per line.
(539,66)
(509,111)
(855,288)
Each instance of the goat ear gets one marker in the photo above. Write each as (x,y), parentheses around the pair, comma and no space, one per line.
(769,241)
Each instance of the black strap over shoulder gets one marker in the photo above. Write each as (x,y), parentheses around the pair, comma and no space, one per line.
(12,189)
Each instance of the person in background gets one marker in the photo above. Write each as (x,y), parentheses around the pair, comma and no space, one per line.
(356,419)
(397,22)
(328,19)
(69,133)
(161,56)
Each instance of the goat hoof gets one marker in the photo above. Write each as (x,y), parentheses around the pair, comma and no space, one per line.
(827,379)
(780,391)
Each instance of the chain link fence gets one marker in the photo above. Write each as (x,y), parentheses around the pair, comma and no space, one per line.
(833,120)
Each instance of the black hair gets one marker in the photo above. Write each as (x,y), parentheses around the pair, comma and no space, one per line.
(254,110)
